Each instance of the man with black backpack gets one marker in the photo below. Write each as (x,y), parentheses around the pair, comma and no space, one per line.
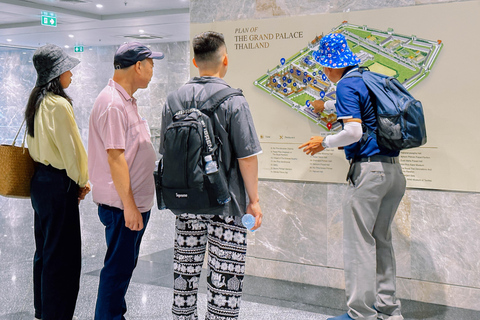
(209,148)
(376,187)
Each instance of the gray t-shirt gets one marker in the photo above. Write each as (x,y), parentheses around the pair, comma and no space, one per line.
(234,125)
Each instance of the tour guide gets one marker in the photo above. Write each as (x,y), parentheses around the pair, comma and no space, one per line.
(376,187)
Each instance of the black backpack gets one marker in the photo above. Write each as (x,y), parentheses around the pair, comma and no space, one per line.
(182,184)
(400,118)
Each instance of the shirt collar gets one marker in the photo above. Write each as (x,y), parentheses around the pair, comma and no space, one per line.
(121,90)
(347,71)
(207,79)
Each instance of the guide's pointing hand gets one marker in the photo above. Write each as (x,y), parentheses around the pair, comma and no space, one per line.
(313,146)
(318,106)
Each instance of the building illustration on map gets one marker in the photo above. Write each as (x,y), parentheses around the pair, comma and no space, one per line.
(299,80)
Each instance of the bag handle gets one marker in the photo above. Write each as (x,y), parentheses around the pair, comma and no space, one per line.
(24,136)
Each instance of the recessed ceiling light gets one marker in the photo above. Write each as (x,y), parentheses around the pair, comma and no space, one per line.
(71,35)
(99,6)
(9,40)
(67,46)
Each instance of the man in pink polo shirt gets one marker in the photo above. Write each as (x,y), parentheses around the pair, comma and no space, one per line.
(121,164)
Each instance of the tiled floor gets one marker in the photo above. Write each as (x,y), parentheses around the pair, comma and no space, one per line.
(150,293)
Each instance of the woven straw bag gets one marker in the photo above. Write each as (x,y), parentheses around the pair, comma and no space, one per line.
(16,169)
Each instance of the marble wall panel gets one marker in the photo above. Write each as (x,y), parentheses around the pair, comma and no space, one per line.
(335,224)
(445,242)
(205,11)
(17,78)
(11,241)
(444,294)
(273,8)
(401,235)
(294,227)
(420,2)
(310,274)
(202,11)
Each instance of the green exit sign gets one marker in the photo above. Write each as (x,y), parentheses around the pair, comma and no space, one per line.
(49,19)
(78,48)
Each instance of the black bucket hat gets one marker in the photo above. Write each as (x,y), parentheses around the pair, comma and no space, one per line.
(51,61)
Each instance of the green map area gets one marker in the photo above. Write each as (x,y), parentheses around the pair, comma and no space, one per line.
(299,80)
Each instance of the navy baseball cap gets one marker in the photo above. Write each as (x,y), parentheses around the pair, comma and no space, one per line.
(130,53)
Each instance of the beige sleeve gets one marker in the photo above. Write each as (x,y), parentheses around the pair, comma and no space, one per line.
(69,143)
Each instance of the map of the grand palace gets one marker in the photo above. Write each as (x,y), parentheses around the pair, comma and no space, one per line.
(299,80)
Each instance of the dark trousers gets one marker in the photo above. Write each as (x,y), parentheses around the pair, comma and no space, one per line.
(123,246)
(58,256)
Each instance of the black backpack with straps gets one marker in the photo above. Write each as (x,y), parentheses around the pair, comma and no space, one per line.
(182,184)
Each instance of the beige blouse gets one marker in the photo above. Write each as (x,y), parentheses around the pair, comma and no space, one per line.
(57,141)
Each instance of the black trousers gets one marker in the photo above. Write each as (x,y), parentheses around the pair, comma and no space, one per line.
(57,260)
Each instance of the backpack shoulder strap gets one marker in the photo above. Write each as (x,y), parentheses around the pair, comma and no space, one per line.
(356,73)
(359,73)
(212,103)
(208,106)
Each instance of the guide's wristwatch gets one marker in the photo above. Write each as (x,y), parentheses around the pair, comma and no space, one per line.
(323,143)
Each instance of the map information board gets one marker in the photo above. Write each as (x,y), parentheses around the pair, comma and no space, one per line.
(428,48)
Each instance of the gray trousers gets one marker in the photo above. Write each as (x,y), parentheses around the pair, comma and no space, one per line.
(371,201)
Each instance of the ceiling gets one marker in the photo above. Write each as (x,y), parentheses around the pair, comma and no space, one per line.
(81,22)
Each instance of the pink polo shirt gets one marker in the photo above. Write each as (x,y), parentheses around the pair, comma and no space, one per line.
(116,124)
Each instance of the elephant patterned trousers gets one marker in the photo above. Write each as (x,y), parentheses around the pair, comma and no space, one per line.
(227,248)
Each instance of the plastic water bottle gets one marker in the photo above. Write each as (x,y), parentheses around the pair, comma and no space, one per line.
(217,180)
(210,165)
(248,221)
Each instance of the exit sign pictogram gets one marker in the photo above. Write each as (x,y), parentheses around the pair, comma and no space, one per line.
(49,19)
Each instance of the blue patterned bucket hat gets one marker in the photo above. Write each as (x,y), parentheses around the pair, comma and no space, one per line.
(334,52)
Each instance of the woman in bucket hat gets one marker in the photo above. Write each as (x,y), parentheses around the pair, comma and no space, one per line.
(59,183)
(376,187)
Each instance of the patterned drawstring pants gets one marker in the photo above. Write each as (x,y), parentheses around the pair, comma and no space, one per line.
(227,248)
